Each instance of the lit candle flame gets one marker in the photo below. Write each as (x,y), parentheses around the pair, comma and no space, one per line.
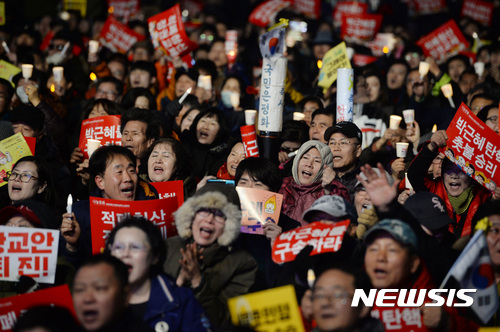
(93,76)
(111,10)
(52,88)
(434,128)
(320,64)
(232,53)
(385,49)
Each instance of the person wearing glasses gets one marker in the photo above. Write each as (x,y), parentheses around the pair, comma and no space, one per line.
(154,297)
(201,257)
(109,88)
(489,115)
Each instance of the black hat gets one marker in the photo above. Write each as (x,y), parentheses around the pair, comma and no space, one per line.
(28,115)
(323,37)
(348,129)
(429,210)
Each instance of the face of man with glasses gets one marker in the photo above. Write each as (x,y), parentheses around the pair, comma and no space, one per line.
(23,182)
(345,152)
(208,225)
(106,90)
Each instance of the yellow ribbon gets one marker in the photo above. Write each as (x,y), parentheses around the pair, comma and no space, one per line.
(483,224)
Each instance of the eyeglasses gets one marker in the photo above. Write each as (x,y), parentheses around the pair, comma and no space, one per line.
(23,177)
(493,119)
(343,143)
(338,296)
(219,216)
(133,247)
(411,55)
(437,160)
(57,47)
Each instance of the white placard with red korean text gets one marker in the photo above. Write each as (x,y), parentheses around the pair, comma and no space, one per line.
(124,9)
(474,147)
(481,11)
(324,237)
(428,7)
(443,42)
(310,8)
(118,37)
(170,189)
(11,308)
(360,26)
(168,34)
(30,252)
(107,213)
(265,13)
(348,8)
(102,128)
(258,207)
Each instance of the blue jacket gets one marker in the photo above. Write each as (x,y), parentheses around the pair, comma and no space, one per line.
(175,306)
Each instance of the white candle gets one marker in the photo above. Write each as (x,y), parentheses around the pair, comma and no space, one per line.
(58,73)
(69,205)
(27,70)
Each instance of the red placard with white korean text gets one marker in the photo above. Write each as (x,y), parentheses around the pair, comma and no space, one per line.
(360,26)
(481,11)
(348,8)
(102,128)
(12,307)
(322,236)
(310,8)
(474,147)
(30,252)
(258,207)
(361,60)
(168,34)
(124,9)
(106,213)
(170,189)
(427,7)
(400,319)
(118,37)
(262,16)
(249,139)
(445,40)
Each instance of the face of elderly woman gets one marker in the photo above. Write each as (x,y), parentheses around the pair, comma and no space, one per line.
(208,225)
(309,166)
(161,163)
(207,129)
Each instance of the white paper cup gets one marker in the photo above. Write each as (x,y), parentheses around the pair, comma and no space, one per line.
(409,116)
(479,68)
(401,149)
(447,90)
(423,68)
(93,46)
(92,145)
(205,82)
(27,70)
(394,121)
(58,73)
(297,116)
(407,182)
(250,117)
(235,99)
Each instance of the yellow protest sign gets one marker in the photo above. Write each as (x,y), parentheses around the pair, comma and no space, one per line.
(12,149)
(80,5)
(333,59)
(274,309)
(8,70)
(2,13)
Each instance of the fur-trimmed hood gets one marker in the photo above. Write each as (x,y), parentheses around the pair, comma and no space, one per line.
(184,216)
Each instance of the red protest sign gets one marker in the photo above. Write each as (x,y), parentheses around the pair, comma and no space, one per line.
(117,36)
(102,128)
(444,40)
(474,147)
(361,60)
(262,15)
(167,32)
(348,8)
(123,9)
(169,189)
(249,139)
(12,307)
(481,11)
(310,8)
(427,7)
(30,252)
(258,207)
(106,213)
(322,236)
(31,141)
(360,26)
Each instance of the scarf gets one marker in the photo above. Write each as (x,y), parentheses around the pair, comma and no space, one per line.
(461,203)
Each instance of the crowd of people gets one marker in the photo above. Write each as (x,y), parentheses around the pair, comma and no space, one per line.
(400,236)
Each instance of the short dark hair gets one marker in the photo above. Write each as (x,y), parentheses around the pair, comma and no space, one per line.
(48,196)
(183,167)
(324,111)
(483,113)
(211,112)
(260,169)
(111,79)
(484,95)
(109,106)
(361,278)
(51,318)
(153,233)
(144,65)
(136,114)
(102,157)
(120,270)
(307,99)
(131,96)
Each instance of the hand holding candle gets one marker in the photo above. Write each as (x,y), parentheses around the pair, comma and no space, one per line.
(448,93)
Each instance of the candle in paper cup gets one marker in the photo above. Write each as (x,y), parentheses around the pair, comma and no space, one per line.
(205,82)
(93,46)
(447,90)
(409,116)
(423,68)
(479,68)
(394,121)
(401,149)
(297,116)
(58,73)
(234,97)
(250,117)
(27,70)
(92,145)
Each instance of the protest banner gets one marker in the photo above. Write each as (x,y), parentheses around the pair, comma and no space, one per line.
(249,140)
(8,71)
(275,309)
(102,128)
(168,34)
(443,42)
(322,236)
(80,5)
(361,60)
(474,147)
(30,252)
(380,42)
(334,59)
(347,8)
(31,141)
(428,7)
(360,26)
(170,189)
(481,11)
(12,149)
(123,10)
(265,13)
(345,94)
(11,308)
(118,37)
(106,213)
(258,207)
(310,8)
